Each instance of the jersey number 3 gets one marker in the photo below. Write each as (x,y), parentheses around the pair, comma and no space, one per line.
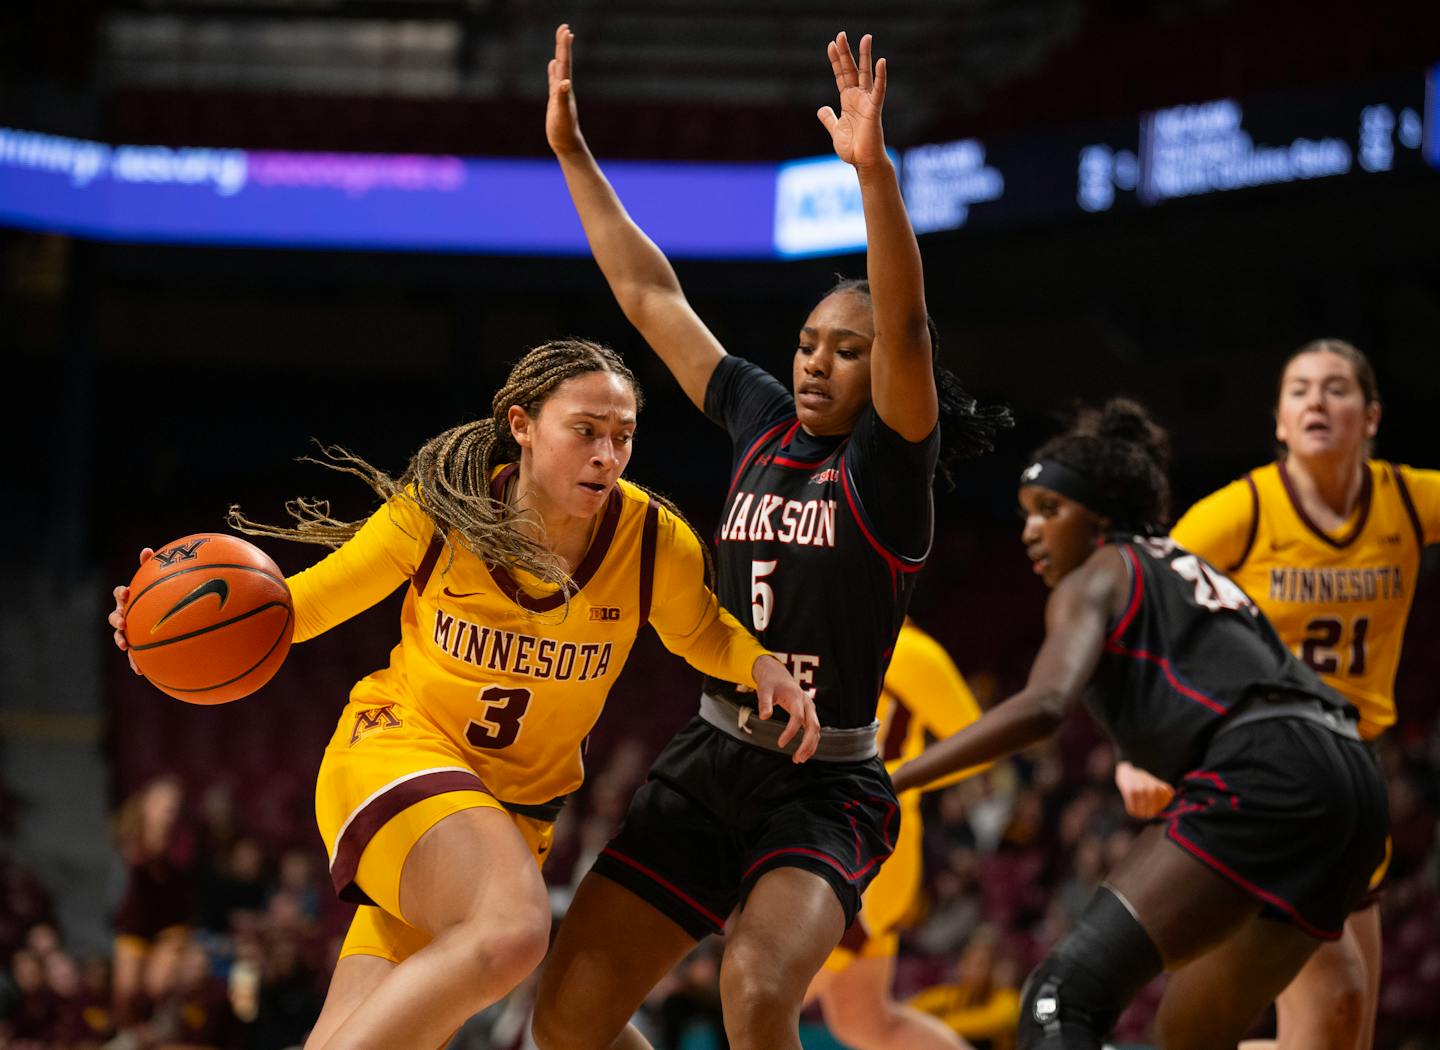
(500,724)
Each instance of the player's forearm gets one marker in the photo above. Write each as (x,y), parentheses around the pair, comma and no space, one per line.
(894,270)
(360,573)
(1029,716)
(632,264)
(717,646)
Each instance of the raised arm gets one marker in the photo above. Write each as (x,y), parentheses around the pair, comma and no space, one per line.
(902,381)
(1075,620)
(641,278)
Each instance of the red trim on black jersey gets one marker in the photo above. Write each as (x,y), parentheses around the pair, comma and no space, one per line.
(1137,592)
(897,563)
(589,565)
(1367,489)
(801,464)
(750,453)
(1163,662)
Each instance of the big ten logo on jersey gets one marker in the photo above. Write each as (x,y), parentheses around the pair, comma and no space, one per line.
(765,516)
(605,613)
(382,717)
(802,667)
(180,552)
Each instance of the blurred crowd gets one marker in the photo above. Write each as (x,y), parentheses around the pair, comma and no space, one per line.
(224,938)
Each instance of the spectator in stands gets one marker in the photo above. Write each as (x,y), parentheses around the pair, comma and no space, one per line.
(152,923)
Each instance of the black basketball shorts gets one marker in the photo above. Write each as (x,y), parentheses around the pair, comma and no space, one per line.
(717,813)
(1292,813)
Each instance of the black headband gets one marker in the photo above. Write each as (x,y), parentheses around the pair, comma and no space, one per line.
(1066,480)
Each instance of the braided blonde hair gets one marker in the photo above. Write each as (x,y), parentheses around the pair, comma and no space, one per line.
(448,478)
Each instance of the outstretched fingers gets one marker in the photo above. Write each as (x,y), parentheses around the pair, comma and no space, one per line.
(866,70)
(842,61)
(561,64)
(564,51)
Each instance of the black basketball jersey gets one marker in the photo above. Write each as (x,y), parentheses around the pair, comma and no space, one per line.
(1189,648)
(801,560)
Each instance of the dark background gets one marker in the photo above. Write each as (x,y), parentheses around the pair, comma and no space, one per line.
(147,388)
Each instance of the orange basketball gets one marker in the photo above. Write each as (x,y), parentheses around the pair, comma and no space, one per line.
(209,618)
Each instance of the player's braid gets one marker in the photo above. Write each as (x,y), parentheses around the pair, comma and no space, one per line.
(448,478)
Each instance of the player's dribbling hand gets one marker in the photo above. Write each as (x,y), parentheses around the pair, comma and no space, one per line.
(856,132)
(1145,795)
(562,121)
(117,616)
(774,687)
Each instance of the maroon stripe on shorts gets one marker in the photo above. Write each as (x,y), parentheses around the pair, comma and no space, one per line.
(378,811)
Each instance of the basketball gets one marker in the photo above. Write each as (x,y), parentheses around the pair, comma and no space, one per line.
(209,618)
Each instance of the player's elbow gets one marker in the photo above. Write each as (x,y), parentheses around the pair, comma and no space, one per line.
(909,334)
(1046,710)
(648,300)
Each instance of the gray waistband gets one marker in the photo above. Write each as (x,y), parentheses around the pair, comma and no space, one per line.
(836,745)
(1305,708)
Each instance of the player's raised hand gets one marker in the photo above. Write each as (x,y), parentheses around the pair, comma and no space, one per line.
(774,687)
(856,133)
(562,120)
(116,619)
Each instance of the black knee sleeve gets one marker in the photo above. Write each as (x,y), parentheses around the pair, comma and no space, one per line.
(1076,995)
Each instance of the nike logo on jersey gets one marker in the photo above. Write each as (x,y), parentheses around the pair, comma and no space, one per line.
(217,587)
(468,594)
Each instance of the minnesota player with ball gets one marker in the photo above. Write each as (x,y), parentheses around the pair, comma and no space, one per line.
(530,568)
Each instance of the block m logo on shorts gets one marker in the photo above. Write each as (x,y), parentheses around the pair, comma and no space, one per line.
(378,718)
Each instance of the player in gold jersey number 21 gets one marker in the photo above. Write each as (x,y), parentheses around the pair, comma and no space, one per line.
(1327,541)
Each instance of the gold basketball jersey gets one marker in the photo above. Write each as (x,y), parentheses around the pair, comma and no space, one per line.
(1339,600)
(923,694)
(500,665)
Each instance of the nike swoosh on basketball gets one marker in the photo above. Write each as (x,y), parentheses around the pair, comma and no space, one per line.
(216,587)
(467,594)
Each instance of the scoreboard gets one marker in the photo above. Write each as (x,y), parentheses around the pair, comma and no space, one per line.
(812,206)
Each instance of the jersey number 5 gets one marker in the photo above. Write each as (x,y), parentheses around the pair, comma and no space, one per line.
(1323,639)
(500,724)
(762,595)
